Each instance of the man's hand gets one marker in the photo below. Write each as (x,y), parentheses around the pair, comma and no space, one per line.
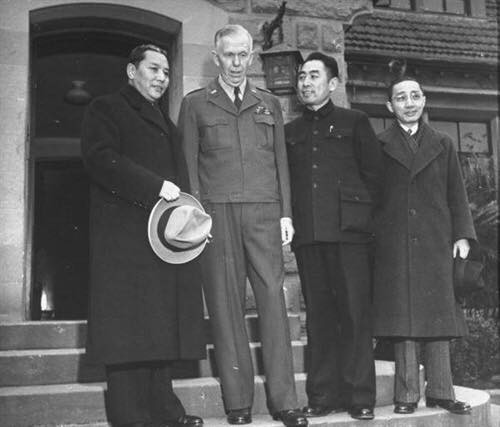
(287,230)
(462,248)
(169,191)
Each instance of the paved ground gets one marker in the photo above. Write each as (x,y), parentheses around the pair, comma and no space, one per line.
(495,407)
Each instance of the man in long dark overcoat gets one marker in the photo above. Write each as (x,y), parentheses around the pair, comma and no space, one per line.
(334,162)
(423,223)
(144,313)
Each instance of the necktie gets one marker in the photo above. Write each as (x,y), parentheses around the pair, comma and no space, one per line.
(412,142)
(237,100)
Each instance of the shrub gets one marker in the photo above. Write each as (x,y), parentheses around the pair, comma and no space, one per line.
(476,358)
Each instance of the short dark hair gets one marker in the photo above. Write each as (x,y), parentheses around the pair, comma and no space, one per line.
(330,63)
(138,53)
(397,80)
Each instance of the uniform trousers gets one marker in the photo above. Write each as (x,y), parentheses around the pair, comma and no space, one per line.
(437,370)
(247,243)
(336,284)
(141,392)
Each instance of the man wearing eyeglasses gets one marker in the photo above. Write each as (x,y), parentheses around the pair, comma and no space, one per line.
(423,223)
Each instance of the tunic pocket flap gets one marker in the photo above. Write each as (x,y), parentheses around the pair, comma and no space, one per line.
(334,134)
(264,118)
(216,121)
(355,210)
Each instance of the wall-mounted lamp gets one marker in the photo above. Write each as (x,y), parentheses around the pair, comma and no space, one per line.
(77,95)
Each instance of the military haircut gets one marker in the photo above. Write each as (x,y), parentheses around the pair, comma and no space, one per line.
(229,30)
(138,53)
(330,63)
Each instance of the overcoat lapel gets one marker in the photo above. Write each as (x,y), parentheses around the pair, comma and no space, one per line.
(394,146)
(429,149)
(145,108)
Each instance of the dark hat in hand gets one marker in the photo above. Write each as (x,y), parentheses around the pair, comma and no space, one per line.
(178,230)
(467,274)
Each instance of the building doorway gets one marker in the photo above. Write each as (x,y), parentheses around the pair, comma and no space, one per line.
(72,61)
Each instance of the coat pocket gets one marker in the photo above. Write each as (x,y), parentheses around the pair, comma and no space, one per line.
(264,127)
(355,210)
(215,135)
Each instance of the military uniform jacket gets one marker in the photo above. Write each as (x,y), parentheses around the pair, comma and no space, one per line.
(334,159)
(233,156)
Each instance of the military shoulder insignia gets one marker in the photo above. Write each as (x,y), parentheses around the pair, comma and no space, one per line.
(195,90)
(263,89)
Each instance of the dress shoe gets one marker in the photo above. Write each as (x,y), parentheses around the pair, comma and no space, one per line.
(361,413)
(453,406)
(291,418)
(311,411)
(405,408)
(186,421)
(239,416)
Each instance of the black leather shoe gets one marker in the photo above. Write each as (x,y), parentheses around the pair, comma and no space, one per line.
(186,421)
(404,408)
(239,416)
(311,411)
(361,413)
(291,418)
(453,406)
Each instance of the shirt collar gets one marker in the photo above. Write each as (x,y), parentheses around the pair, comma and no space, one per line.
(414,128)
(230,89)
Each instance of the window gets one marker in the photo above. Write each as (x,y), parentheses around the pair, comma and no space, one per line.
(457,7)
(468,137)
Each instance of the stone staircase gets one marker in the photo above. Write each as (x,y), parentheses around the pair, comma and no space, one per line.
(46,381)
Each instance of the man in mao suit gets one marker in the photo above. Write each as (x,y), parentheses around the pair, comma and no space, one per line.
(234,145)
(144,313)
(334,162)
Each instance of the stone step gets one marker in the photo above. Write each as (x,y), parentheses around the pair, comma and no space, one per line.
(64,366)
(84,403)
(57,334)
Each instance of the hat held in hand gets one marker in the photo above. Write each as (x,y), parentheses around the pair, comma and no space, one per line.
(178,230)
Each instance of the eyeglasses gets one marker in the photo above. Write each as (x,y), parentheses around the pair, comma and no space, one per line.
(414,96)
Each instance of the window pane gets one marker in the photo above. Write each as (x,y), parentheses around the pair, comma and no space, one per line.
(450,128)
(401,4)
(455,6)
(474,137)
(432,5)
(377,123)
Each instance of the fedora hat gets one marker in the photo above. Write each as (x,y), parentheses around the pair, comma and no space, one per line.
(178,230)
(467,274)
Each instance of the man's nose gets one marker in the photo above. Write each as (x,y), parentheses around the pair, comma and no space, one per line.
(161,75)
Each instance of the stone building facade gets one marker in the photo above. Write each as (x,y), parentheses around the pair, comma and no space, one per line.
(51,47)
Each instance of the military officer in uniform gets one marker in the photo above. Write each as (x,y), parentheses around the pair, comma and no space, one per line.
(334,162)
(233,140)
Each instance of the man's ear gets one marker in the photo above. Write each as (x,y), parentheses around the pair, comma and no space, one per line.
(215,58)
(131,70)
(389,107)
(333,83)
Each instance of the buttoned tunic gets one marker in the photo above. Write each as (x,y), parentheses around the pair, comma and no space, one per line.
(231,157)
(424,210)
(334,161)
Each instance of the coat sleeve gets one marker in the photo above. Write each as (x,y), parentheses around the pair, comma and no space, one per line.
(190,138)
(368,152)
(458,203)
(107,167)
(281,161)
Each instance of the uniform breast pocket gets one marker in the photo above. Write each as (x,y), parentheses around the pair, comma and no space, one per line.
(264,129)
(215,135)
(340,143)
